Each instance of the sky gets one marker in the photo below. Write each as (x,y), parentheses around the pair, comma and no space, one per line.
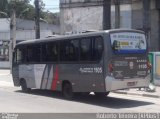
(50,5)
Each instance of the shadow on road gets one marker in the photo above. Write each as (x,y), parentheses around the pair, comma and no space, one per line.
(109,102)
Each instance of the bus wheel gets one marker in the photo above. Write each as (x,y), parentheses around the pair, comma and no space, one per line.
(101,94)
(24,86)
(67,91)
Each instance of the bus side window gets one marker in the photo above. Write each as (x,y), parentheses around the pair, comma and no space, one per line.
(74,50)
(33,53)
(37,53)
(69,50)
(50,52)
(85,49)
(44,53)
(29,54)
(20,55)
(97,48)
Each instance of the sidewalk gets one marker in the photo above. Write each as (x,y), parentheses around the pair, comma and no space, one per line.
(6,78)
(142,92)
(4,72)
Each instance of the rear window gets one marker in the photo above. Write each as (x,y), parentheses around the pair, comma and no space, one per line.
(128,43)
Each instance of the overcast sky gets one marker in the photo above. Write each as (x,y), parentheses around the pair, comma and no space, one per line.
(51,5)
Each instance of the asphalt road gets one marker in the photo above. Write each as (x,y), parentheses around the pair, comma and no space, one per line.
(40,104)
(46,104)
(39,101)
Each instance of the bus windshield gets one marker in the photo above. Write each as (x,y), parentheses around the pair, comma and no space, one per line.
(128,43)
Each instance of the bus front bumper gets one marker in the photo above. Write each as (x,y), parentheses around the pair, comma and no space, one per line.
(116,84)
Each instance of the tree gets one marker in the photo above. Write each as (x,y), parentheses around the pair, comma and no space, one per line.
(19,6)
(106,14)
(52,18)
(30,13)
(3,7)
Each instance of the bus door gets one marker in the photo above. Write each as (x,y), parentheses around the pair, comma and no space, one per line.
(15,68)
(32,59)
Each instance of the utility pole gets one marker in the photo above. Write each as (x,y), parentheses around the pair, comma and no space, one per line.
(147,19)
(37,17)
(117,13)
(12,35)
(106,14)
(13,28)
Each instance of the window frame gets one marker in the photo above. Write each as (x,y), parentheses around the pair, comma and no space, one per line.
(15,53)
(69,40)
(92,45)
(33,46)
(58,61)
(45,43)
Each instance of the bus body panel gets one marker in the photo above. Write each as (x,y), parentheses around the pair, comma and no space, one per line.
(15,72)
(15,75)
(51,76)
(91,77)
(26,72)
(114,84)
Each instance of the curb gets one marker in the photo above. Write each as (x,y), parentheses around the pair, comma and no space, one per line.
(4,74)
(152,96)
(144,95)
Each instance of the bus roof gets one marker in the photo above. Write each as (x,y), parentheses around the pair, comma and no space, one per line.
(60,37)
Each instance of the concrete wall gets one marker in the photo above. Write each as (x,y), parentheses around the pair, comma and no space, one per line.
(4,35)
(26,29)
(4,24)
(81,19)
(30,34)
(30,25)
(125,16)
(137,23)
(155,40)
(89,17)
(79,15)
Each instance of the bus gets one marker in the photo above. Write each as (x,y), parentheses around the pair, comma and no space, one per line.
(99,62)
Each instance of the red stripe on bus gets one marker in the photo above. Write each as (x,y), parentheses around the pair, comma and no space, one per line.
(55,79)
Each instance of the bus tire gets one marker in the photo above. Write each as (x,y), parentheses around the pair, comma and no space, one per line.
(24,86)
(101,94)
(67,91)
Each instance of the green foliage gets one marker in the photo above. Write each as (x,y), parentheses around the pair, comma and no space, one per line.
(3,7)
(52,18)
(23,12)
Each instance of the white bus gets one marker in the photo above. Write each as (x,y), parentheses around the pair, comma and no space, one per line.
(97,62)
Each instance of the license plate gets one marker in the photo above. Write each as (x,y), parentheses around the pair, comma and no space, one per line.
(131,83)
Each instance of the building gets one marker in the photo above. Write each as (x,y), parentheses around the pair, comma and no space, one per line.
(82,15)
(25,30)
